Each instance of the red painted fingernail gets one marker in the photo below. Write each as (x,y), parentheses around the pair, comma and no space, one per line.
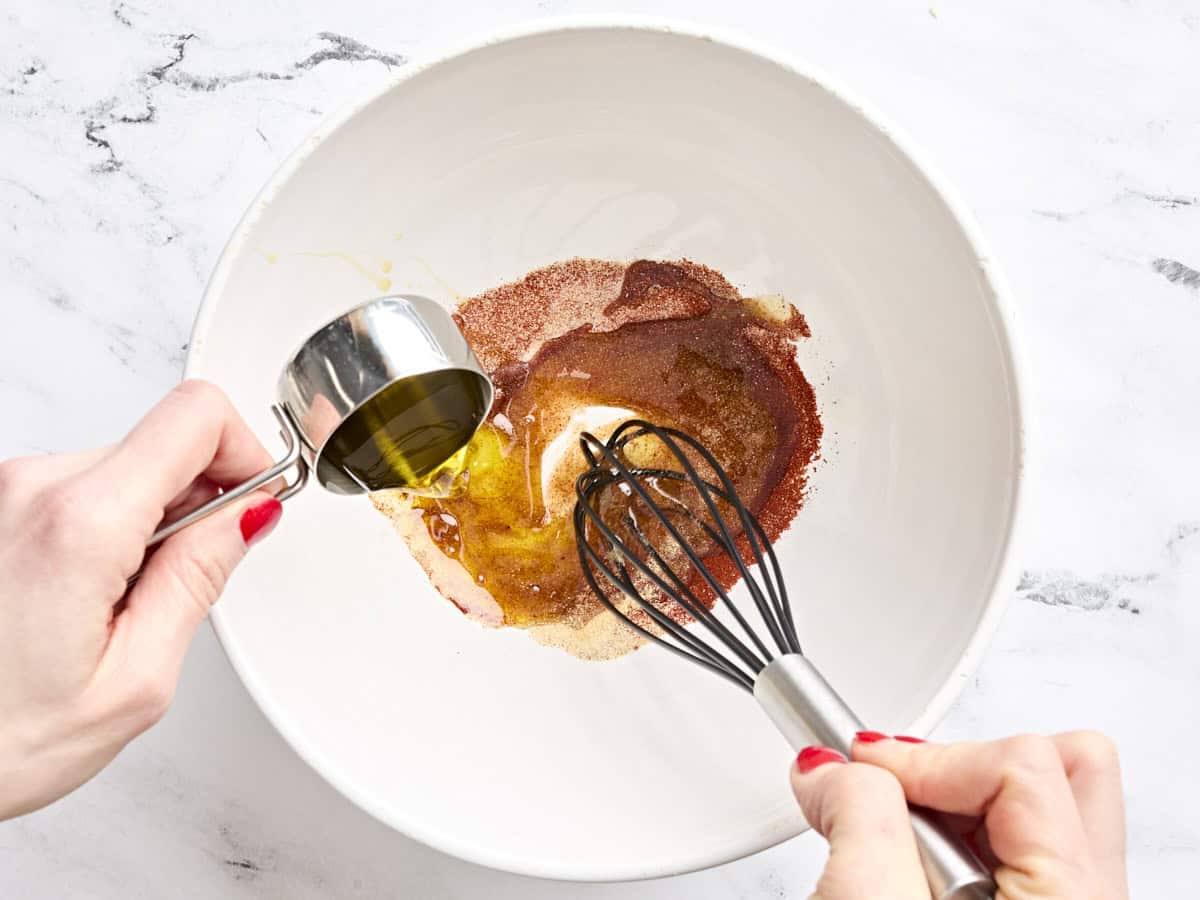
(256,522)
(870,737)
(909,740)
(811,757)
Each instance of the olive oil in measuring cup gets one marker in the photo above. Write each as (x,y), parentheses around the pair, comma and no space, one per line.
(385,396)
(410,436)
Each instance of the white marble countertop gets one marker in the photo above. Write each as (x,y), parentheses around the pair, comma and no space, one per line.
(133,134)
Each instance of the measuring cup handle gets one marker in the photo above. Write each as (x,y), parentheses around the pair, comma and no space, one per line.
(291,459)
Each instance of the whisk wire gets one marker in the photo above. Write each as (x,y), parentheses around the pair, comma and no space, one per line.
(778,610)
(750,526)
(621,474)
(624,581)
(717,538)
(696,650)
(608,469)
(689,601)
(694,608)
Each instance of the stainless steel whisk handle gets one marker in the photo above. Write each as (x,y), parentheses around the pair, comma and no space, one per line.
(806,710)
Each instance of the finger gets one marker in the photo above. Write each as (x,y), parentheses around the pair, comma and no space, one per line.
(178,587)
(973,833)
(194,430)
(33,473)
(861,811)
(200,492)
(194,495)
(1094,774)
(1018,785)
(65,464)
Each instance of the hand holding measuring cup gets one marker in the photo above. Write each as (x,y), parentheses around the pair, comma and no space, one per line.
(84,666)
(93,628)
(382,397)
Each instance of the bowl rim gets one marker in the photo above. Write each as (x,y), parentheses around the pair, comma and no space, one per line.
(1003,315)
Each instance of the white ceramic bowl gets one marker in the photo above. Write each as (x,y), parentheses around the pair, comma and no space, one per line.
(624,141)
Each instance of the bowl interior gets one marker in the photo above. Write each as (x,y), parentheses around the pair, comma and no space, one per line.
(622,143)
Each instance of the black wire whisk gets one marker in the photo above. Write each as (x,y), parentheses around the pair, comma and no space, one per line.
(650,538)
(746,654)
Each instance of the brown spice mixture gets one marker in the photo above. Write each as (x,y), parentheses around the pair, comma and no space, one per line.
(587,344)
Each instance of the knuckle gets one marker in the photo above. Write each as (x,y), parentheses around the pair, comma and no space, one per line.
(204,393)
(14,473)
(853,791)
(65,512)
(858,783)
(1092,751)
(202,577)
(1031,753)
(147,699)
(876,782)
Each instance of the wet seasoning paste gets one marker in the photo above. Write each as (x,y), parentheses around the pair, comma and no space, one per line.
(584,345)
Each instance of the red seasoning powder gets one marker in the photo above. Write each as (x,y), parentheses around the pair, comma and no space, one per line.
(586,344)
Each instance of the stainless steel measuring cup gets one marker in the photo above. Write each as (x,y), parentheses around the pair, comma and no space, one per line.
(377,398)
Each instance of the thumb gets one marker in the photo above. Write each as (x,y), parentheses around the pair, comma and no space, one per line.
(861,810)
(182,581)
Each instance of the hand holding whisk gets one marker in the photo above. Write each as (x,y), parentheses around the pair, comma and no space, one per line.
(653,539)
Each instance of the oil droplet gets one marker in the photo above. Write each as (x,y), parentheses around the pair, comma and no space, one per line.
(441,282)
(386,267)
(351,261)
